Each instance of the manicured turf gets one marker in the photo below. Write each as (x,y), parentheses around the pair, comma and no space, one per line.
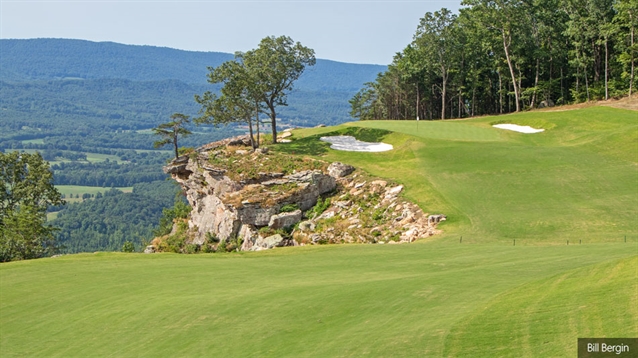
(591,301)
(576,181)
(328,301)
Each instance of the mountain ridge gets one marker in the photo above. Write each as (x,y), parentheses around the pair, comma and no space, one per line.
(46,58)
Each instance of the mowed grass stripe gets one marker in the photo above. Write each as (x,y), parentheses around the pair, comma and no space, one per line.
(346,300)
(545,318)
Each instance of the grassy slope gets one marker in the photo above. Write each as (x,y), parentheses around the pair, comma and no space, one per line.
(432,298)
(576,181)
(355,300)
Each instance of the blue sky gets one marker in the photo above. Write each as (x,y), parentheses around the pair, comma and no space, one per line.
(347,31)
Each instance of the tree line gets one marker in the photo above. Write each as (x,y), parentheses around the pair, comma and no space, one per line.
(499,56)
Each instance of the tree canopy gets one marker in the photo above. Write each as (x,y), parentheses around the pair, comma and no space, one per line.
(255,81)
(171,131)
(499,56)
(26,190)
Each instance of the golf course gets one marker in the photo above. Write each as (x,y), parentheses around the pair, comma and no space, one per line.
(540,248)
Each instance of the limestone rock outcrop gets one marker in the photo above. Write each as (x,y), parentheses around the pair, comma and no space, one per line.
(263,199)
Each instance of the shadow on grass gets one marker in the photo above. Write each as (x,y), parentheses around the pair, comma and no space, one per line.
(312,145)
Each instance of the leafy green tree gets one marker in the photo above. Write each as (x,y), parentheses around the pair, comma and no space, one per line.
(171,131)
(239,100)
(436,37)
(26,190)
(273,68)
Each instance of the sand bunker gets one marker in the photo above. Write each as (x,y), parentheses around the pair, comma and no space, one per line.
(517,128)
(351,144)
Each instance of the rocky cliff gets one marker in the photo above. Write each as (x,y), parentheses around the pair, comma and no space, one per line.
(263,199)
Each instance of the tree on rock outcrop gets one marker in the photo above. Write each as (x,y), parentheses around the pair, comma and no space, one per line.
(239,100)
(256,81)
(171,131)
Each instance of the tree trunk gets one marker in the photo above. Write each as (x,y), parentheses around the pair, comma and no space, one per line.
(531,105)
(443,89)
(509,64)
(418,99)
(473,100)
(273,123)
(250,130)
(500,92)
(460,101)
(257,122)
(586,84)
(175,145)
(606,69)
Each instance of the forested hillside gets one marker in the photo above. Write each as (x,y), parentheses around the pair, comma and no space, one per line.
(507,56)
(49,59)
(107,222)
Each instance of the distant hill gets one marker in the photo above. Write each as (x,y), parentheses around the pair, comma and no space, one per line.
(49,59)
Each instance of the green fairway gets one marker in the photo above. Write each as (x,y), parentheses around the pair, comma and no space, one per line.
(578,180)
(328,301)
(549,253)
(592,301)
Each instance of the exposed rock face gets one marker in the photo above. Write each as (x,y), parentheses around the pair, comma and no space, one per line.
(233,198)
(229,208)
(340,170)
(284,220)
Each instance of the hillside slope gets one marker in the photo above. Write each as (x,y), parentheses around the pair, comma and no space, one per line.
(578,180)
(49,59)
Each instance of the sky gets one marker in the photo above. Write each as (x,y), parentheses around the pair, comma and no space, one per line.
(347,31)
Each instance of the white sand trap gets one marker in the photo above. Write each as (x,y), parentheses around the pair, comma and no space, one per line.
(351,144)
(517,128)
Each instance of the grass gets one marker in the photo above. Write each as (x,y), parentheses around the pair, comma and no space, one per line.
(328,301)
(33,141)
(592,301)
(97,157)
(576,181)
(90,157)
(67,190)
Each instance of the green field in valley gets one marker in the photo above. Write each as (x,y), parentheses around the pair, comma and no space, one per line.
(80,189)
(484,297)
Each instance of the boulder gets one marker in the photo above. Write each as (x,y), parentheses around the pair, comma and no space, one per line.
(150,249)
(307,226)
(267,243)
(339,170)
(284,220)
(393,192)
